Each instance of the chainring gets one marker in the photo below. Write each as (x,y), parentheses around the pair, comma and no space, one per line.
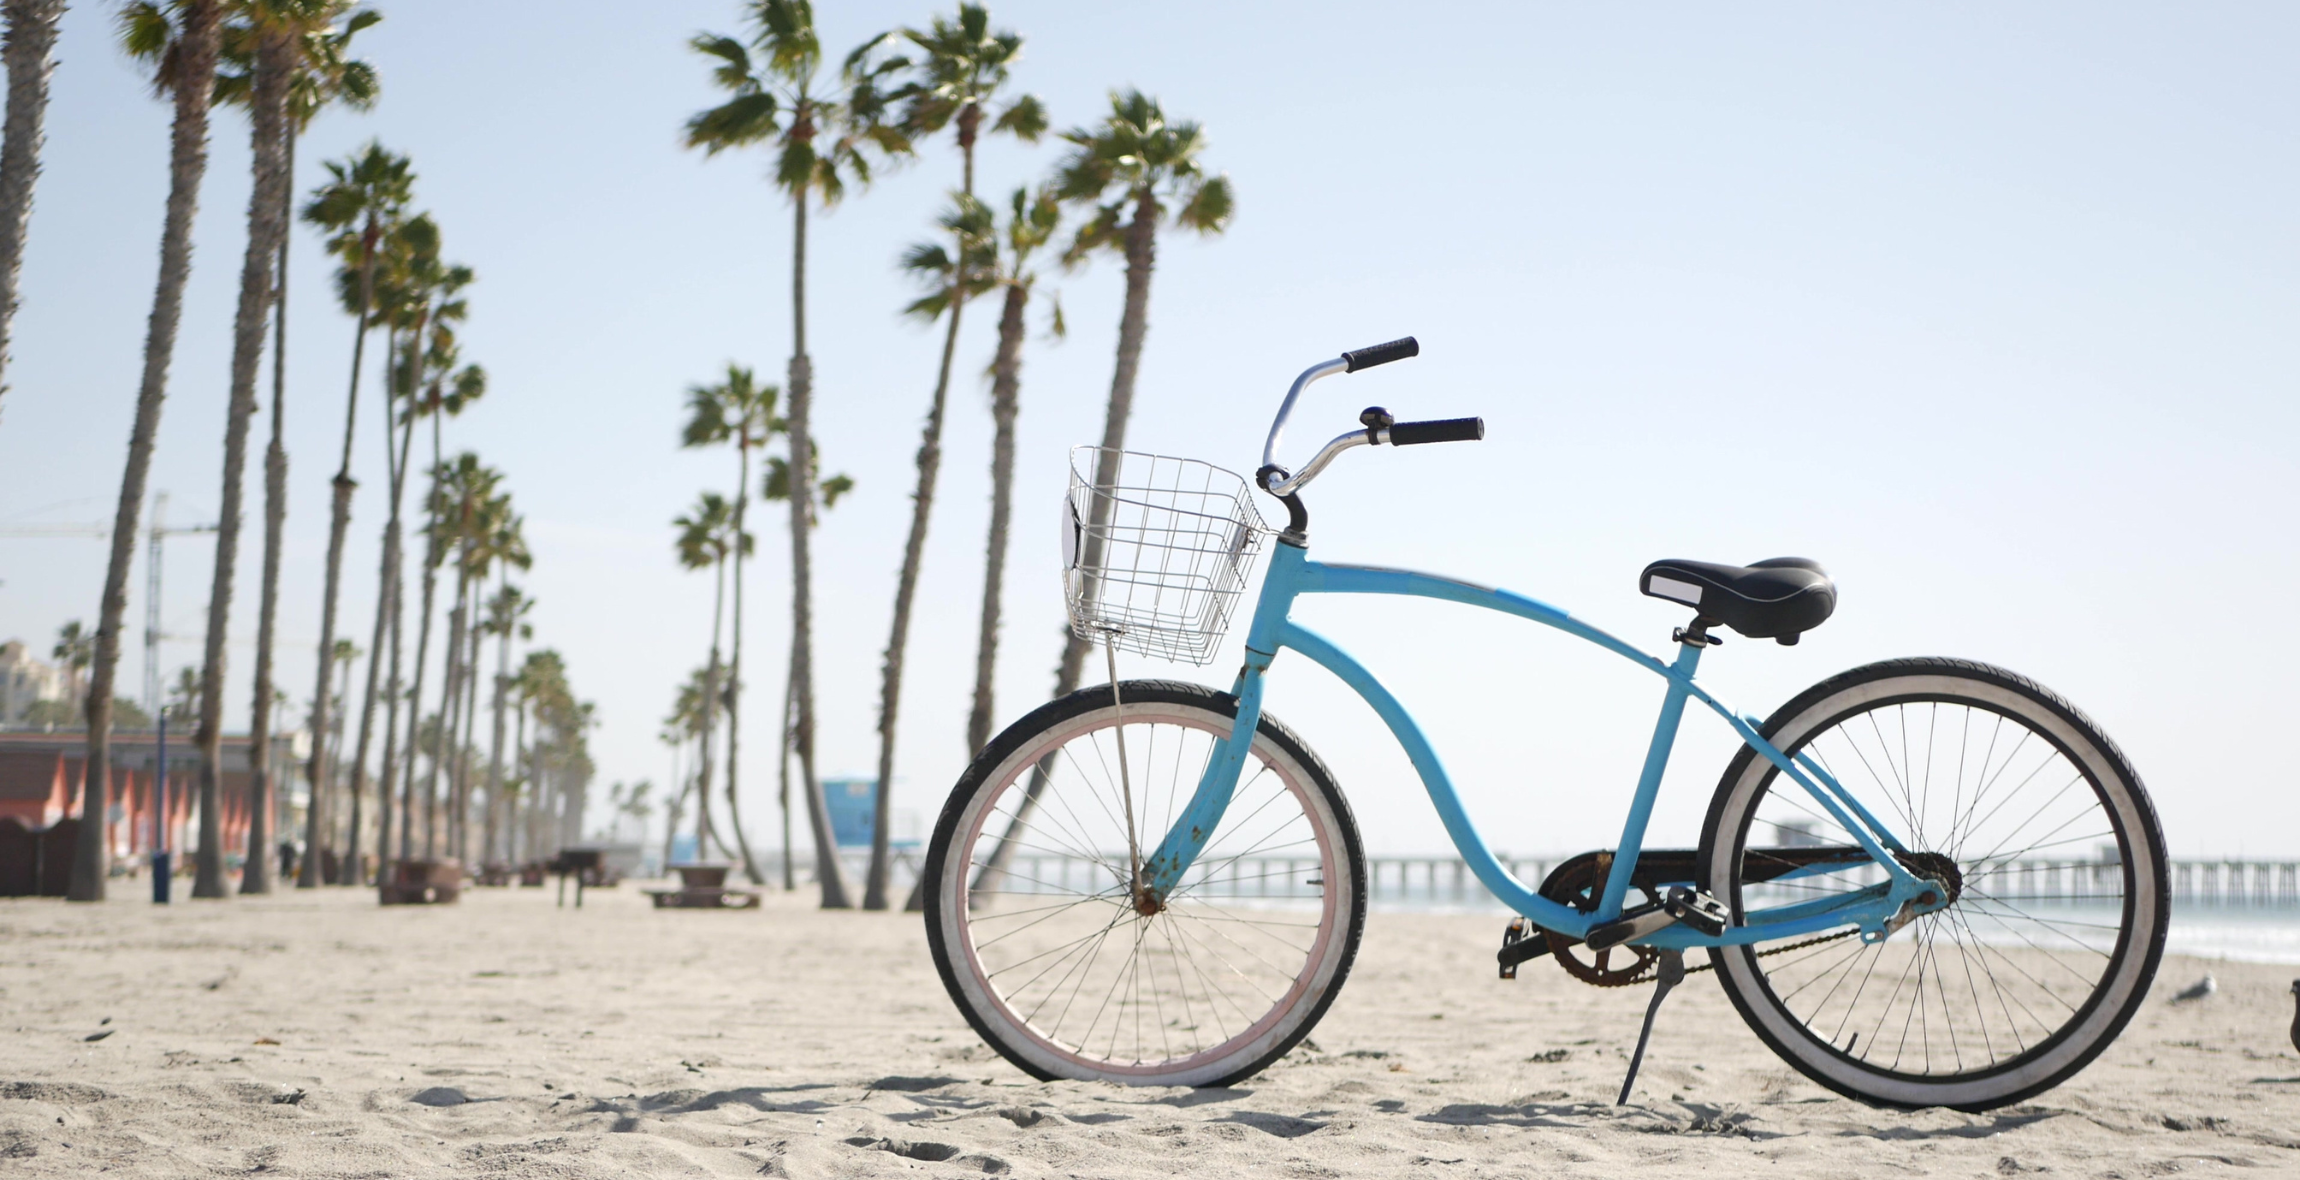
(1578,886)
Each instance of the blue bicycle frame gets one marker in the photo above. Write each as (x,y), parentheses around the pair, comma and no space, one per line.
(1877,909)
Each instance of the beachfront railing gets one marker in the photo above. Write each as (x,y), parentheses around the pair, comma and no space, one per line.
(1422,881)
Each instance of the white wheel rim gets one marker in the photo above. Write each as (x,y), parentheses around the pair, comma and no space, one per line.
(2129,963)
(1181,954)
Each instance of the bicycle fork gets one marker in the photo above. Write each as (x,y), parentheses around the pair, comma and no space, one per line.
(1162,869)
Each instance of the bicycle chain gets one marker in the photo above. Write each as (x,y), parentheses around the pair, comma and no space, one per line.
(1765,954)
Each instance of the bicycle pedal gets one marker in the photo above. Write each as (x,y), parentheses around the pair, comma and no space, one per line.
(1633,924)
(1698,910)
(1523,940)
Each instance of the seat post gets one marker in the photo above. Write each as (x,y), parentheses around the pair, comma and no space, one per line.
(1698,634)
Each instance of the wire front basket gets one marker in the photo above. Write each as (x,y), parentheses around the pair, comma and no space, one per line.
(1155,551)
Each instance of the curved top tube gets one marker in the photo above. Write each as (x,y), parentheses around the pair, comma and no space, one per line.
(1292,573)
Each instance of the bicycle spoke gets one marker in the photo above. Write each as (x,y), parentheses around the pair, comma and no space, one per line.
(2005,968)
(1116,989)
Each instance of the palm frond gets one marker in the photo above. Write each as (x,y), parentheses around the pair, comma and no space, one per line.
(1024,119)
(1103,232)
(739,121)
(928,307)
(733,73)
(928,260)
(1209,207)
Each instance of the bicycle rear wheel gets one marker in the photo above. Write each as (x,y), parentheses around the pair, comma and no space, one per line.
(2051,853)
(1031,921)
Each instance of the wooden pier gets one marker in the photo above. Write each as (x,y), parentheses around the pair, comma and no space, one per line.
(1421,881)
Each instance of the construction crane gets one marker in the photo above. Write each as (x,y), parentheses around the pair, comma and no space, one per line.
(157,531)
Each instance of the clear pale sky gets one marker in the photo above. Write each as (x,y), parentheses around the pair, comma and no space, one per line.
(1991,309)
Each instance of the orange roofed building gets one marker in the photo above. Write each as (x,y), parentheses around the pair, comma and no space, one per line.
(40,777)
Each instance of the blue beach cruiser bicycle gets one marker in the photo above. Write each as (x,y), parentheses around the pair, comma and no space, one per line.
(1157,883)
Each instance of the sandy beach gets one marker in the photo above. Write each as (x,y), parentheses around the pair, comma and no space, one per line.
(315,1035)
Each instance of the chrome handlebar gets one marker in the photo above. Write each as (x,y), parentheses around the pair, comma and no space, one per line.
(1378,426)
(1277,480)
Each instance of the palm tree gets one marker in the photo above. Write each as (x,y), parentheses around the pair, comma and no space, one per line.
(1028,228)
(528,688)
(631,802)
(1149,169)
(778,487)
(441,389)
(706,538)
(741,411)
(823,137)
(497,545)
(366,195)
(180,42)
(347,654)
(962,66)
(678,729)
(559,725)
(269,34)
(461,496)
(319,73)
(950,277)
(401,285)
(75,649)
(506,620)
(25,50)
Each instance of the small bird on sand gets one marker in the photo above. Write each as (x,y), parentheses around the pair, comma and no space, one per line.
(2296,1013)
(2197,991)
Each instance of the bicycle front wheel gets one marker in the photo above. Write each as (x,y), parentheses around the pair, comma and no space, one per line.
(1033,927)
(2043,836)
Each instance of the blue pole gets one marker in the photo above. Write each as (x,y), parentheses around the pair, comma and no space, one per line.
(160,864)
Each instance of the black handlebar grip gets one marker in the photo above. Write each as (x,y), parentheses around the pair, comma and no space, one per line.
(1406,434)
(1381,354)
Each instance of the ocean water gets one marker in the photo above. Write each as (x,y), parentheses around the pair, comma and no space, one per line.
(2246,936)
(2240,934)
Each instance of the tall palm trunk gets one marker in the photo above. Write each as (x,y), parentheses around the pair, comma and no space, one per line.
(187,165)
(735,672)
(705,741)
(390,608)
(26,50)
(422,655)
(256,876)
(914,550)
(676,812)
(783,776)
(492,849)
(523,801)
(1133,325)
(829,872)
(905,594)
(438,823)
(468,745)
(268,110)
(1005,404)
(321,770)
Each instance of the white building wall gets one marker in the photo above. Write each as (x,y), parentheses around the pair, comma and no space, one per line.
(24,680)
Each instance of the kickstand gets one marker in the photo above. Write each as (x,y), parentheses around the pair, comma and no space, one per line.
(1672,974)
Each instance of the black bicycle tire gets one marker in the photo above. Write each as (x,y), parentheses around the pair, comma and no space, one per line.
(1086,700)
(2149,944)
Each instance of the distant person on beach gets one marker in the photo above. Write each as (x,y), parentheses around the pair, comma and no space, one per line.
(287,859)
